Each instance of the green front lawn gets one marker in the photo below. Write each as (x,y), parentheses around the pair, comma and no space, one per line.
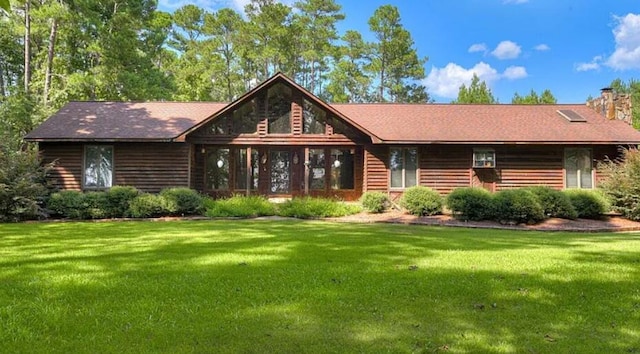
(311,286)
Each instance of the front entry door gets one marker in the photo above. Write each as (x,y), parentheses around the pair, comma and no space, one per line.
(280,172)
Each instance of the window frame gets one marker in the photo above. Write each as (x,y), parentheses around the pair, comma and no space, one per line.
(484,162)
(578,171)
(404,150)
(84,166)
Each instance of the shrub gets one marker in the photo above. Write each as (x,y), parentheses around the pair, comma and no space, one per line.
(421,200)
(622,183)
(471,204)
(374,202)
(554,203)
(239,206)
(182,200)
(117,200)
(589,204)
(68,204)
(519,206)
(147,206)
(95,203)
(309,207)
(23,186)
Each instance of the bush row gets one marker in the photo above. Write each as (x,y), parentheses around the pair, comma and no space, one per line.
(302,208)
(123,201)
(525,205)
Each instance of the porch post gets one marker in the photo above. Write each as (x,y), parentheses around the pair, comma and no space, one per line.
(249,174)
(306,170)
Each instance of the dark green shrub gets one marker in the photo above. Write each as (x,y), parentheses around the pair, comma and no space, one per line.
(517,206)
(239,206)
(471,204)
(182,200)
(23,187)
(554,203)
(589,204)
(622,183)
(374,202)
(118,199)
(421,201)
(148,206)
(95,205)
(309,207)
(68,204)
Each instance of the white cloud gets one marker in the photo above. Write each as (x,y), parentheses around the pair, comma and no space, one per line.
(446,82)
(542,47)
(478,47)
(506,50)
(594,64)
(627,38)
(515,72)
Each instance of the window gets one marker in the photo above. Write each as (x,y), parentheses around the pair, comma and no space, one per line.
(317,169)
(98,166)
(484,158)
(279,109)
(217,169)
(245,118)
(313,119)
(342,169)
(578,168)
(242,174)
(403,163)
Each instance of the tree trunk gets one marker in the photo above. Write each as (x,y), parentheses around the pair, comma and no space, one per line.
(2,92)
(50,52)
(27,46)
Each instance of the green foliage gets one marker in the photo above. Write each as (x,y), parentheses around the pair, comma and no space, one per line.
(22,185)
(68,204)
(518,206)
(117,200)
(309,207)
(421,201)
(96,204)
(554,203)
(471,204)
(374,202)
(622,183)
(589,204)
(546,97)
(148,205)
(239,206)
(477,93)
(182,200)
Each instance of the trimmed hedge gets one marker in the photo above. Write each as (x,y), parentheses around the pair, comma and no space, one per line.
(309,207)
(148,206)
(554,203)
(239,206)
(68,204)
(421,201)
(118,199)
(374,202)
(589,204)
(517,206)
(182,200)
(471,204)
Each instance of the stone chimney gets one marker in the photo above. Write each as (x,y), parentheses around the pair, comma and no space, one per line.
(612,105)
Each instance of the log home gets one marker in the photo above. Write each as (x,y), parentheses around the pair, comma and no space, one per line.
(280,140)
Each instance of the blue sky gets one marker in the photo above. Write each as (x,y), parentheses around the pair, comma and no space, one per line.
(572,47)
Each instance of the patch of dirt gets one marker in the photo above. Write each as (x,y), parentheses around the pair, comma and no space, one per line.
(608,224)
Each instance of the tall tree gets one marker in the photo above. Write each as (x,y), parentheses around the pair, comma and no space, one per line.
(316,21)
(546,97)
(347,81)
(477,92)
(394,61)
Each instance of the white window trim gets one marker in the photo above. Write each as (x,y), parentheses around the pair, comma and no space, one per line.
(483,151)
(404,170)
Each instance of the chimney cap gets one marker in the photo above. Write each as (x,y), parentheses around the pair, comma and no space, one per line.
(606,89)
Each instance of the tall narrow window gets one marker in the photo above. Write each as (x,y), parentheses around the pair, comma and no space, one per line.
(403,163)
(317,169)
(578,168)
(98,166)
(242,173)
(342,169)
(217,169)
(313,119)
(279,109)
(245,118)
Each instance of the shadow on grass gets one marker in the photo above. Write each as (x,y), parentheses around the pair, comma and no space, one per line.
(247,286)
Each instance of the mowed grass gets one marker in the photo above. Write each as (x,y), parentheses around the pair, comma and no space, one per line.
(314,287)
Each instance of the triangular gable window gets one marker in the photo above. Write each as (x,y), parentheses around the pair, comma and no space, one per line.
(279,97)
(314,119)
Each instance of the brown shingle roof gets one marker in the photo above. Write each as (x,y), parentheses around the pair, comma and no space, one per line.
(447,123)
(109,121)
